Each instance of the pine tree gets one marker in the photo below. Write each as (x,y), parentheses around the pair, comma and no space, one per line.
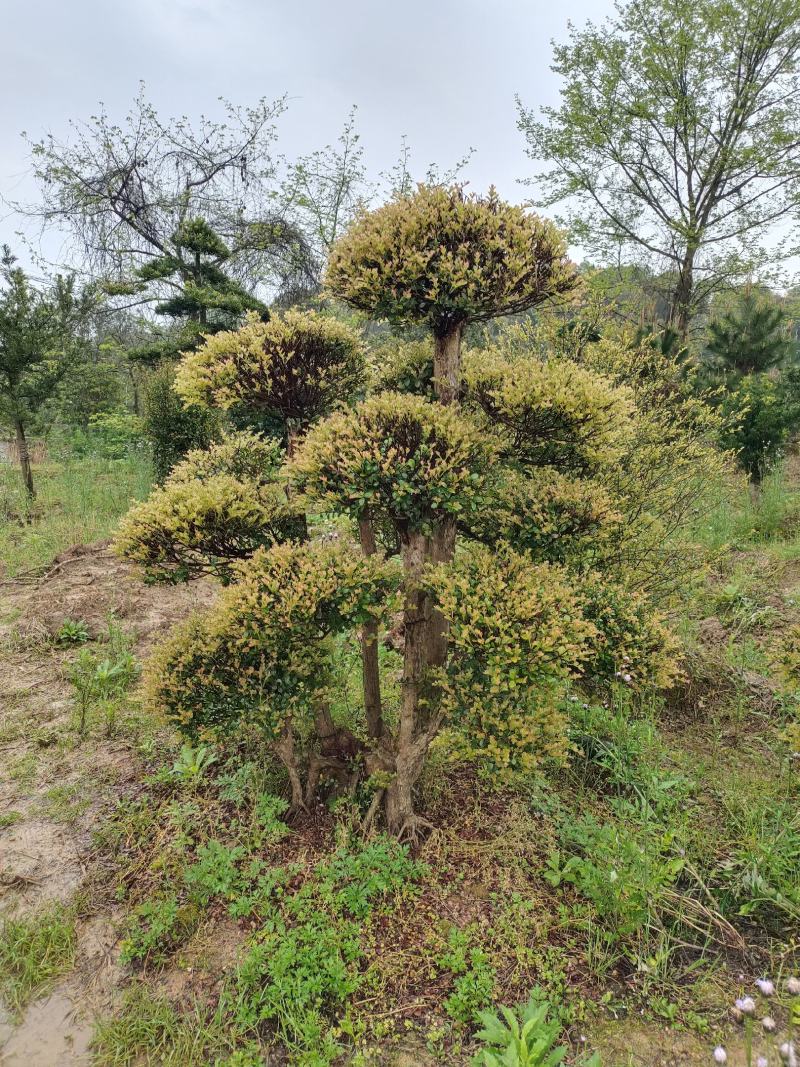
(193,290)
(750,339)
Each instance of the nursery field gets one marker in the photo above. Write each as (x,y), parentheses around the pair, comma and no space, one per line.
(159,907)
(400,583)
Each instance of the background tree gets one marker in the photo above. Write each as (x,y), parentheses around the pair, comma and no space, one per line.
(751,338)
(751,361)
(171,428)
(328,187)
(678,139)
(191,288)
(130,196)
(760,413)
(38,339)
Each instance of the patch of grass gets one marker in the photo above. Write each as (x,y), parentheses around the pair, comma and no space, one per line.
(79,500)
(730,517)
(23,770)
(148,1025)
(8,818)
(32,953)
(66,803)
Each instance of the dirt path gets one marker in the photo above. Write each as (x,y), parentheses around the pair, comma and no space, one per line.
(55,788)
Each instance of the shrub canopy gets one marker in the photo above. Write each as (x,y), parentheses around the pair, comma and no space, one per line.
(445,258)
(218,506)
(261,652)
(297,366)
(399,455)
(550,412)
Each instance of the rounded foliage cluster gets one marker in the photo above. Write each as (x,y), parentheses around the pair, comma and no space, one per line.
(445,258)
(546,514)
(260,654)
(297,366)
(242,455)
(396,455)
(550,412)
(631,642)
(516,630)
(218,506)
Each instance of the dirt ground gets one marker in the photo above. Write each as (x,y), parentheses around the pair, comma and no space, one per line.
(45,853)
(60,791)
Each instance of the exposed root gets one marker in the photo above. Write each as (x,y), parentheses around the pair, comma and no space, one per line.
(296,810)
(415,830)
(372,811)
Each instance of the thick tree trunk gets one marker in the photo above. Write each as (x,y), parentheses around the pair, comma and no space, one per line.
(24,458)
(369,647)
(443,550)
(284,750)
(681,308)
(447,365)
(412,738)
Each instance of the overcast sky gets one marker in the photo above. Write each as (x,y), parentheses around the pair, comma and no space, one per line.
(443,72)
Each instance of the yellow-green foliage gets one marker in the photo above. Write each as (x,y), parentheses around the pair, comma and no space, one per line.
(661,478)
(789,656)
(403,367)
(243,455)
(260,653)
(547,514)
(550,412)
(218,506)
(296,366)
(198,526)
(516,628)
(396,455)
(445,258)
(631,642)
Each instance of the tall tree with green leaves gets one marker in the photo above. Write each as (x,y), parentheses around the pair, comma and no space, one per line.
(677,139)
(38,339)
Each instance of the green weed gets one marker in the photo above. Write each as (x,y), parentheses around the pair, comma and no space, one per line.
(474,977)
(155,928)
(33,952)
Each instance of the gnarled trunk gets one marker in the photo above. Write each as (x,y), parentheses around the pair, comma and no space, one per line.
(413,734)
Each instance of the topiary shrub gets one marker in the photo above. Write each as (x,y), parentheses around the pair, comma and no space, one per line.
(443,258)
(400,456)
(295,367)
(262,653)
(218,506)
(550,412)
(492,634)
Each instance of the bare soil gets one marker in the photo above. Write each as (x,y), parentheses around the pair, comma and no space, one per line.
(45,855)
